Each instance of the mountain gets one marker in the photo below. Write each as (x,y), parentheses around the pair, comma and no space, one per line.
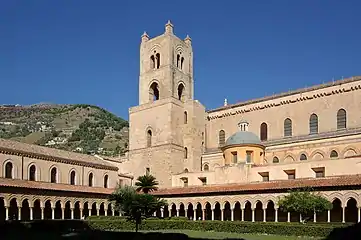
(80,127)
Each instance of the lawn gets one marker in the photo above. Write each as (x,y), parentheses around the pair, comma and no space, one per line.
(224,235)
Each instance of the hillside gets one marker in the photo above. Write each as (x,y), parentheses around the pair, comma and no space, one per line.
(81,128)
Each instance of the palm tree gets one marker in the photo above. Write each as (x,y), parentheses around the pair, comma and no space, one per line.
(146,183)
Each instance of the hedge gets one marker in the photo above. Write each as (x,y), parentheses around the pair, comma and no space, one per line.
(287,229)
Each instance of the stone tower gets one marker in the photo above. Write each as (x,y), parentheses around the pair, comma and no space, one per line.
(167,127)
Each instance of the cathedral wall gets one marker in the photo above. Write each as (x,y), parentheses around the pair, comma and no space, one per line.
(21,169)
(315,150)
(298,107)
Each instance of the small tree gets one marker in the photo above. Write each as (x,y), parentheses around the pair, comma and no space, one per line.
(135,206)
(146,183)
(304,202)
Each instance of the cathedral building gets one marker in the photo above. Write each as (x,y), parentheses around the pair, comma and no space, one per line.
(230,163)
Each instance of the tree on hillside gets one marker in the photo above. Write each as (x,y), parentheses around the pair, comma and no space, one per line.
(304,202)
(146,183)
(135,206)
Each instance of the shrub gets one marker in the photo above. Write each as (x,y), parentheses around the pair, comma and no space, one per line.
(288,229)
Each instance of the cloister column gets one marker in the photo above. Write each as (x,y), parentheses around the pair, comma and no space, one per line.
(204,214)
(106,211)
(97,211)
(42,212)
(264,214)
(19,215)
(162,213)
(252,214)
(343,214)
(213,214)
(232,214)
(288,216)
(90,212)
(7,213)
(222,214)
(328,216)
(53,213)
(113,212)
(276,214)
(71,213)
(186,212)
(31,213)
(314,217)
(242,214)
(63,213)
(194,214)
(359,214)
(177,212)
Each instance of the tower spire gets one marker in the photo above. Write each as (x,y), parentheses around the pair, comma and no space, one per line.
(169,27)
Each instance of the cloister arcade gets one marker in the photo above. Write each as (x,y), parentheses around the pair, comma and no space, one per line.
(31,208)
(346,208)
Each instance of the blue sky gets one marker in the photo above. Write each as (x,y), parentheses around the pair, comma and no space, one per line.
(87,51)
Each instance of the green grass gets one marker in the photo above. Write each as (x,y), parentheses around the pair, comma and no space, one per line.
(224,235)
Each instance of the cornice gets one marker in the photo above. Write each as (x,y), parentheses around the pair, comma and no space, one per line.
(54,159)
(241,108)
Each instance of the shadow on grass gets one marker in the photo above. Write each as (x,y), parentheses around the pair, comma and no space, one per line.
(77,229)
(352,232)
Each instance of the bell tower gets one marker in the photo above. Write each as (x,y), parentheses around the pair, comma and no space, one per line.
(167,127)
(166,67)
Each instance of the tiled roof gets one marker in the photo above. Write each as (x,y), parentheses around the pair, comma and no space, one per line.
(338,181)
(52,154)
(17,183)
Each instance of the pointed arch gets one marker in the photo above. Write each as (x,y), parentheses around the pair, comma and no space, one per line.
(180,91)
(106,181)
(317,155)
(185,117)
(72,177)
(54,174)
(9,169)
(154,91)
(333,154)
(264,132)
(313,124)
(149,137)
(90,179)
(341,119)
(32,172)
(221,137)
(287,127)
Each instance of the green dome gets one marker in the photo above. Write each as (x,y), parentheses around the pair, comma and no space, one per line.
(243,137)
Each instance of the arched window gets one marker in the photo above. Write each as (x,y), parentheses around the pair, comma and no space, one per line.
(341,119)
(313,124)
(72,177)
(186,170)
(149,138)
(154,92)
(32,173)
(9,170)
(287,127)
(53,175)
(106,181)
(275,160)
(263,132)
(90,180)
(178,59)
(185,117)
(303,157)
(180,92)
(206,167)
(185,152)
(182,61)
(333,154)
(221,137)
(157,56)
(152,62)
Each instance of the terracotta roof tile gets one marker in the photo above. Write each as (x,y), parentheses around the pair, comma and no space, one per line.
(346,180)
(17,183)
(53,153)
